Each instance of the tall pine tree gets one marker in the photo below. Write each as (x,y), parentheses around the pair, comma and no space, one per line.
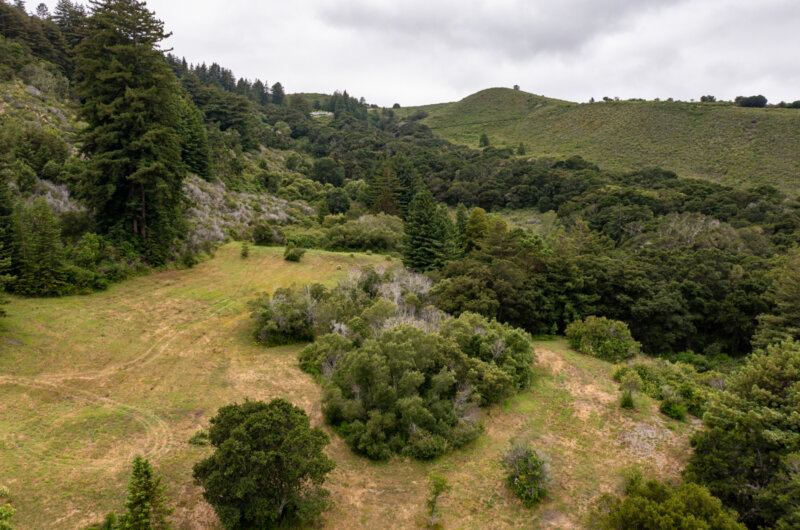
(194,138)
(129,91)
(5,278)
(386,191)
(429,239)
(38,255)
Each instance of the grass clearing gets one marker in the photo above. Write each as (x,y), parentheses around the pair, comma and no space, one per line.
(89,382)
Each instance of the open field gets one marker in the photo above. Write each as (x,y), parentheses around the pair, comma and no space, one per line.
(88,382)
(715,141)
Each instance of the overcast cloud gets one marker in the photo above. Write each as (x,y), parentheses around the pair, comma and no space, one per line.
(428,51)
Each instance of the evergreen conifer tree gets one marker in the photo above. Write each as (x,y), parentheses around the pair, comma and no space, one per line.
(429,234)
(278,94)
(5,278)
(461,224)
(194,139)
(477,228)
(38,255)
(71,18)
(408,182)
(386,192)
(129,91)
(146,507)
(784,322)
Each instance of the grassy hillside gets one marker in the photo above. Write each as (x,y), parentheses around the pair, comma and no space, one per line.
(715,141)
(89,382)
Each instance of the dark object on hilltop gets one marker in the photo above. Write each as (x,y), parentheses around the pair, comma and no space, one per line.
(751,101)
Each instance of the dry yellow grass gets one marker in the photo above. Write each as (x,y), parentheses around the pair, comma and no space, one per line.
(89,382)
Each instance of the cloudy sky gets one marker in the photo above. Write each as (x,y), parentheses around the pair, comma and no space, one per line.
(427,51)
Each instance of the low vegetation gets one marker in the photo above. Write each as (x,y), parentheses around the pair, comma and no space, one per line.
(679,387)
(528,474)
(603,338)
(135,209)
(400,376)
(649,503)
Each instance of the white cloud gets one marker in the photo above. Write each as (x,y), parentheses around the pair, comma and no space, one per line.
(425,51)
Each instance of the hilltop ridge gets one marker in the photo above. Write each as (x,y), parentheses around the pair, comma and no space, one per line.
(718,141)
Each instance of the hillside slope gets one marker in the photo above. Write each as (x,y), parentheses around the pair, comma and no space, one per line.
(717,141)
(89,382)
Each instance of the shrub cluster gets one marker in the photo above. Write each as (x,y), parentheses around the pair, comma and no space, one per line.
(678,386)
(654,504)
(600,337)
(286,317)
(415,392)
(400,376)
(293,253)
(527,473)
(369,232)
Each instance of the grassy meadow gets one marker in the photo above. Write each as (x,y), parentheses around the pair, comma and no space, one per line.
(88,382)
(715,141)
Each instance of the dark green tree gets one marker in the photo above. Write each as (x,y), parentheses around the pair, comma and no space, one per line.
(783,323)
(146,507)
(429,234)
(194,138)
(746,456)
(386,191)
(278,94)
(38,254)
(300,103)
(327,171)
(71,18)
(654,505)
(43,12)
(132,119)
(268,466)
(337,200)
(462,216)
(483,141)
(476,229)
(408,180)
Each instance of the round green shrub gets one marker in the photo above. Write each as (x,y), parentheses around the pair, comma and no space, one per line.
(600,337)
(674,408)
(527,473)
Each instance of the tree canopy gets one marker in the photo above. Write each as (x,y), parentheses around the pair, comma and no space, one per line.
(268,466)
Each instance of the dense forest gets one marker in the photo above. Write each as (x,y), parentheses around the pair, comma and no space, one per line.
(117,159)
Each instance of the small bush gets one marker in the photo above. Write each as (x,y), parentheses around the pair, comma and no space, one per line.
(293,253)
(528,473)
(437,486)
(199,438)
(674,408)
(245,250)
(600,337)
(626,402)
(287,317)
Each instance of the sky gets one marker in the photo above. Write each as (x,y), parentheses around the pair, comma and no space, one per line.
(416,52)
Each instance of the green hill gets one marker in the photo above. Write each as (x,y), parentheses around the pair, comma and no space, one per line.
(715,141)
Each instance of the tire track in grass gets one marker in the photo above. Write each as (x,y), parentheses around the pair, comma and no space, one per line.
(158,435)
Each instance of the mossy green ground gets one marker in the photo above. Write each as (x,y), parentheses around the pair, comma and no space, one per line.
(89,382)
(716,141)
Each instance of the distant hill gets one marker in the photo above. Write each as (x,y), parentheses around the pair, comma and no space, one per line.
(715,141)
